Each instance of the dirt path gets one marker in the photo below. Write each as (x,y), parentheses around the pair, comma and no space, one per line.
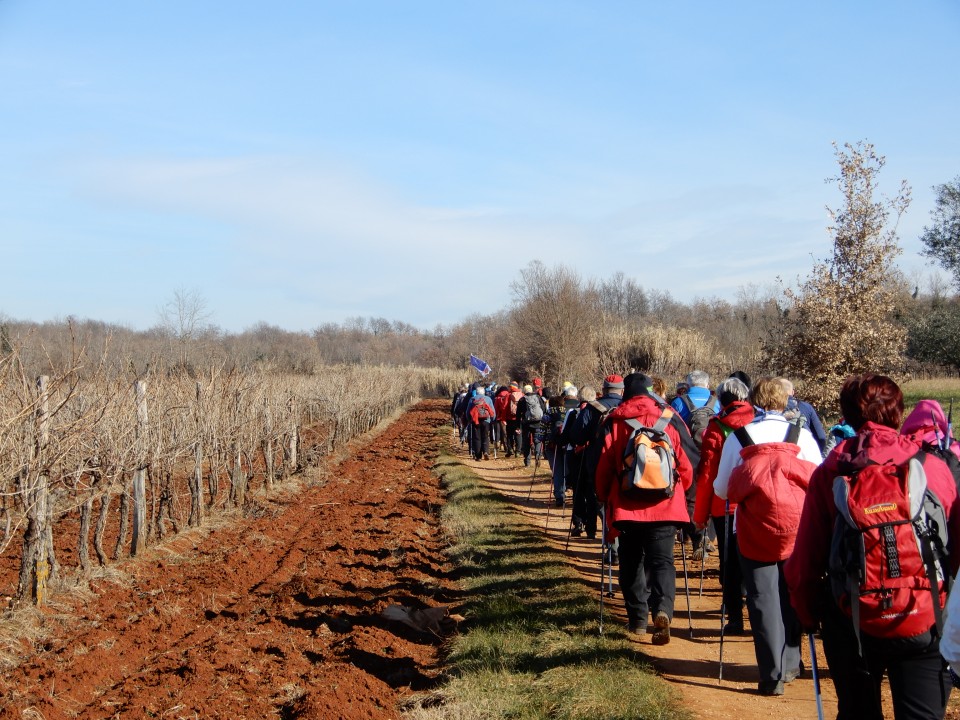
(691,665)
(275,615)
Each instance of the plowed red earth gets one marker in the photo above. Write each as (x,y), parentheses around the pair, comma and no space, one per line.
(274,616)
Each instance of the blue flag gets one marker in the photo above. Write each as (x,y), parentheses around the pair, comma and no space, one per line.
(480,365)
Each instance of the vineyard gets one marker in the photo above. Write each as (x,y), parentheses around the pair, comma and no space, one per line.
(96,464)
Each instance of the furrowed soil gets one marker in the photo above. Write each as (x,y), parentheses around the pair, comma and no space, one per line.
(272,616)
(277,614)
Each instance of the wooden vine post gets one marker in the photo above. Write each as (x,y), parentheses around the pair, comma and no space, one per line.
(35,568)
(139,540)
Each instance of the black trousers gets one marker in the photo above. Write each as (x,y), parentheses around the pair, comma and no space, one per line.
(731,574)
(648,577)
(919,681)
(480,433)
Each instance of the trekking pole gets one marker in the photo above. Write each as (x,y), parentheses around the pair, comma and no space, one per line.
(816,676)
(686,584)
(723,595)
(703,559)
(603,560)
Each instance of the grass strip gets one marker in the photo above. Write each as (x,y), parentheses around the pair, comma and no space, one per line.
(530,647)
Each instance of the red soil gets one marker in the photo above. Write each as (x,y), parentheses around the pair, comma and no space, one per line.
(274,615)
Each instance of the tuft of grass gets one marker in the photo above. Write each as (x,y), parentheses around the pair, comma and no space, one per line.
(530,647)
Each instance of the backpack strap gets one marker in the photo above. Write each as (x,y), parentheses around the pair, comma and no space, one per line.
(932,550)
(743,436)
(685,399)
(793,432)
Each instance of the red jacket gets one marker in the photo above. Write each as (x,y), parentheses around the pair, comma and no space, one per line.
(769,488)
(501,403)
(627,509)
(805,570)
(733,416)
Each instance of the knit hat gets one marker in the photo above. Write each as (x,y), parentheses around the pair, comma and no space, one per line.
(566,384)
(537,382)
(514,385)
(527,389)
(613,381)
(636,384)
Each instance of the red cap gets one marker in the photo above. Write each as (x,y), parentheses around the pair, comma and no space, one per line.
(613,381)
(537,382)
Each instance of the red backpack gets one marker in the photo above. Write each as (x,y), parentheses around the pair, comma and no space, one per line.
(480,410)
(888,567)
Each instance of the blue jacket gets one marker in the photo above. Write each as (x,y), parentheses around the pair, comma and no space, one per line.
(699,397)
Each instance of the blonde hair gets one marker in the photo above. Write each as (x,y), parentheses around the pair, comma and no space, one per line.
(770,394)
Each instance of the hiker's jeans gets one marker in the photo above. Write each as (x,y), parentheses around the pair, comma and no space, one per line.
(648,577)
(919,682)
(776,630)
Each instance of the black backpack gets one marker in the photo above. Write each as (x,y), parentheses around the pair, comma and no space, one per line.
(699,416)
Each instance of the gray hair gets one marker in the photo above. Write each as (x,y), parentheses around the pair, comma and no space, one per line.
(698,378)
(734,387)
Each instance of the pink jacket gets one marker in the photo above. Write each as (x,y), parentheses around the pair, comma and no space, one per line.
(627,509)
(769,488)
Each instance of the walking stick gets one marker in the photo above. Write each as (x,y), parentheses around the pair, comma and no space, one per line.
(816,676)
(703,558)
(686,585)
(603,560)
(723,595)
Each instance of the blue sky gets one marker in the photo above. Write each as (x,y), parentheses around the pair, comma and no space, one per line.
(303,162)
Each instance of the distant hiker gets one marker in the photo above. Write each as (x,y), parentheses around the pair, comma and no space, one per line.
(896,629)
(765,468)
(812,422)
(512,438)
(647,523)
(482,416)
(736,411)
(561,451)
(501,403)
(530,410)
(696,406)
(458,409)
(586,433)
(928,426)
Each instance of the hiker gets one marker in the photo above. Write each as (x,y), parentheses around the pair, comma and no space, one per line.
(928,426)
(501,403)
(530,410)
(585,433)
(513,421)
(647,528)
(765,467)
(736,411)
(797,407)
(482,416)
(696,406)
(858,659)
(561,452)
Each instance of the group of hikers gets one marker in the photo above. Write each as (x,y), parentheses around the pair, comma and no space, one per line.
(849,532)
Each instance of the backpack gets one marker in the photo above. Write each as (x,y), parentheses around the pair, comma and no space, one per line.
(514,399)
(480,410)
(534,411)
(888,550)
(649,469)
(699,416)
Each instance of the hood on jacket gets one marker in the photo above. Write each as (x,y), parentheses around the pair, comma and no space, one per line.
(633,407)
(926,422)
(736,414)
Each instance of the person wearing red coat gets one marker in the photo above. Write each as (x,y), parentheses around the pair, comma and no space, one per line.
(767,475)
(919,682)
(647,528)
(735,412)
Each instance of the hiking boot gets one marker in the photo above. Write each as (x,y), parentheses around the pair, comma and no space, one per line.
(697,555)
(770,687)
(661,635)
(711,548)
(636,628)
(486,456)
(576,532)
(792,675)
(734,628)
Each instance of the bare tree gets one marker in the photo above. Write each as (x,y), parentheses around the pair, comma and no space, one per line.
(185,317)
